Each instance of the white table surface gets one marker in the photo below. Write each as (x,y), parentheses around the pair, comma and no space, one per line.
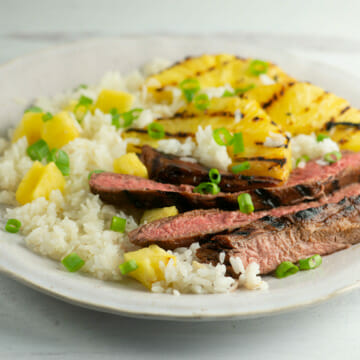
(35,326)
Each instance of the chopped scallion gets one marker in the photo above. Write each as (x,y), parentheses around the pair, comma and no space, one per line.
(128,267)
(239,91)
(321,137)
(189,88)
(156,131)
(130,116)
(13,226)
(303,158)
(246,205)
(73,262)
(46,117)
(95,172)
(222,136)
(83,101)
(207,188)
(258,67)
(201,102)
(240,167)
(38,150)
(115,118)
(285,269)
(332,157)
(34,109)
(228,93)
(310,263)
(215,176)
(118,224)
(238,143)
(61,160)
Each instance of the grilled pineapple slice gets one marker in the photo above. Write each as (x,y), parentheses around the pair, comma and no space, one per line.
(211,71)
(255,126)
(302,108)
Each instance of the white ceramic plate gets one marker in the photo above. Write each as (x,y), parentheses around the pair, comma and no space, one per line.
(60,68)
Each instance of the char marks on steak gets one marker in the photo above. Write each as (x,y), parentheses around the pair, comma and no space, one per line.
(191,226)
(171,169)
(307,184)
(271,240)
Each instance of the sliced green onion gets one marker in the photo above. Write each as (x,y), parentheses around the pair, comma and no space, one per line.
(128,267)
(238,143)
(310,263)
(201,102)
(46,117)
(285,269)
(304,158)
(118,224)
(243,90)
(207,188)
(130,116)
(321,137)
(13,226)
(38,150)
(34,109)
(240,167)
(81,86)
(73,262)
(189,88)
(258,67)
(222,136)
(215,176)
(228,93)
(83,101)
(156,131)
(95,172)
(332,157)
(115,118)
(246,205)
(61,160)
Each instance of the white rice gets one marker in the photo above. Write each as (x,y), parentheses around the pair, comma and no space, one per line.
(275,140)
(307,145)
(77,221)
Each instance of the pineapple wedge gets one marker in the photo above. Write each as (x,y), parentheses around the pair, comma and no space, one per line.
(303,108)
(148,262)
(130,164)
(156,214)
(255,125)
(211,71)
(40,181)
(30,126)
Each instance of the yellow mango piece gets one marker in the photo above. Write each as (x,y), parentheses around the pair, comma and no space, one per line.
(39,181)
(30,126)
(148,259)
(59,130)
(130,164)
(155,214)
(110,99)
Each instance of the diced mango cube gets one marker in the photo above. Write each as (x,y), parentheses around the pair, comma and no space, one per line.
(30,126)
(155,214)
(147,260)
(130,164)
(59,130)
(112,99)
(40,181)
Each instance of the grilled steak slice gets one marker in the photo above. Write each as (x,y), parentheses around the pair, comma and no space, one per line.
(171,170)
(191,226)
(271,240)
(308,184)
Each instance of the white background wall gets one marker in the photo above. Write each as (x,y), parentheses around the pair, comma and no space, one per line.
(33,326)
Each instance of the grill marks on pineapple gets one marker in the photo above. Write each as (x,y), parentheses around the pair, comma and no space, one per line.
(178,134)
(197,73)
(207,113)
(275,161)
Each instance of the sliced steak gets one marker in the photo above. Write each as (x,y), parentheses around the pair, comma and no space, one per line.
(273,239)
(310,183)
(191,226)
(171,169)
